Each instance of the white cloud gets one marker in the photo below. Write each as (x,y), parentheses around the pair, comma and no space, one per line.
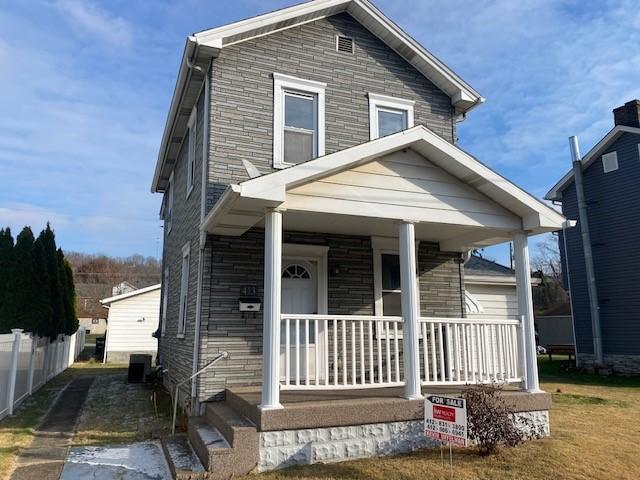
(97,22)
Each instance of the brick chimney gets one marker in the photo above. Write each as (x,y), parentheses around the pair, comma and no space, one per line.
(628,114)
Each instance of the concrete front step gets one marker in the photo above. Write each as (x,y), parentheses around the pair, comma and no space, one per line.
(225,441)
(182,459)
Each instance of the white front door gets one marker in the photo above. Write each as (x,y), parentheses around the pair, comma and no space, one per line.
(299,296)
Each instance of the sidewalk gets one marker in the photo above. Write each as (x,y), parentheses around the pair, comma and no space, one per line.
(44,458)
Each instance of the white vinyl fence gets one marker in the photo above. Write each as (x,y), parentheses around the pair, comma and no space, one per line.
(27,362)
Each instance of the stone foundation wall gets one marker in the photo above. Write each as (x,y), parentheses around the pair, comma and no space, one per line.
(334,444)
(619,364)
(123,357)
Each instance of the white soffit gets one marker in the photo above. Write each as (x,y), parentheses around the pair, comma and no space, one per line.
(463,96)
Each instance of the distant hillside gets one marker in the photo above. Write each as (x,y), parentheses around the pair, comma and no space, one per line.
(96,275)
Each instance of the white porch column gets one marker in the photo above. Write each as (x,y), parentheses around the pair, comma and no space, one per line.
(271,317)
(525,311)
(410,311)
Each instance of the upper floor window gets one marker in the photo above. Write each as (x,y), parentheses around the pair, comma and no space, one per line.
(191,153)
(388,115)
(298,120)
(609,162)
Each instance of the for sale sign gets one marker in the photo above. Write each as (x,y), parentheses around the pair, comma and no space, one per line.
(445,419)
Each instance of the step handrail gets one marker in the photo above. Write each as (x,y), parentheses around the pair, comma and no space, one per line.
(218,357)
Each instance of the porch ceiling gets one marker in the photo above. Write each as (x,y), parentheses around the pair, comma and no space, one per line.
(366,190)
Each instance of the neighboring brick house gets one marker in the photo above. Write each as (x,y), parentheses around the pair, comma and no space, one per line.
(309,167)
(610,172)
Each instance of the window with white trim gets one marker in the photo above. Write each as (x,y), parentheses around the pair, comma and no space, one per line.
(169,206)
(191,153)
(298,120)
(388,115)
(386,276)
(165,292)
(609,162)
(184,289)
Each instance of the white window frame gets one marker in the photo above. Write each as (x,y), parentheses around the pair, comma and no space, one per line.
(169,209)
(281,84)
(386,245)
(191,150)
(165,291)
(610,157)
(184,290)
(381,102)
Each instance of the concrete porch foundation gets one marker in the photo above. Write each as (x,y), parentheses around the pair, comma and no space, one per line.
(331,426)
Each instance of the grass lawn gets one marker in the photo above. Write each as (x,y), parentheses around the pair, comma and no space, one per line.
(595,434)
(117,412)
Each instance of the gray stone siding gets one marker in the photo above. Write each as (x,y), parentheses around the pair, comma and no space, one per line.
(237,261)
(176,354)
(334,444)
(618,364)
(242,92)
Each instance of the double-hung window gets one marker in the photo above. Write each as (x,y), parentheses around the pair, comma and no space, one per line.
(184,289)
(191,152)
(388,115)
(165,301)
(386,273)
(298,120)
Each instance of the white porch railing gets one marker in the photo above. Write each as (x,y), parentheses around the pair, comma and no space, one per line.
(459,351)
(330,352)
(340,351)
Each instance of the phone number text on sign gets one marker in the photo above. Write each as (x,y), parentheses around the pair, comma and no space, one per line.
(445,419)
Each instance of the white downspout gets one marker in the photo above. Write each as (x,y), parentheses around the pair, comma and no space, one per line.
(203,203)
(592,290)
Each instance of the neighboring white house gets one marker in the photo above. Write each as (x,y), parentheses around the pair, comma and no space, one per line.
(490,289)
(133,317)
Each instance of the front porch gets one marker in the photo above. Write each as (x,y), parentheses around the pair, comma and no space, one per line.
(398,193)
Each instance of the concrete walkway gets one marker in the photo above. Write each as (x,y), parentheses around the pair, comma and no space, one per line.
(135,461)
(44,458)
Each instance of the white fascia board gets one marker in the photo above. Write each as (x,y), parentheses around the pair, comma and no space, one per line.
(140,291)
(259,22)
(555,192)
(181,81)
(222,206)
(495,280)
(463,96)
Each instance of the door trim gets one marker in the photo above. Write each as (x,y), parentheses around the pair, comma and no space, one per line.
(320,255)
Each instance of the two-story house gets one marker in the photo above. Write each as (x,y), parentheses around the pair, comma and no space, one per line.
(610,171)
(317,217)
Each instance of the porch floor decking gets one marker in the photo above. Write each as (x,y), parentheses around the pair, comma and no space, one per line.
(332,408)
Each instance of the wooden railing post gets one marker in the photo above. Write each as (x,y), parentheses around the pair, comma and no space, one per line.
(15,356)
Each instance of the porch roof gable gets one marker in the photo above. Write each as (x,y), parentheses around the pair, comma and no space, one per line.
(242,205)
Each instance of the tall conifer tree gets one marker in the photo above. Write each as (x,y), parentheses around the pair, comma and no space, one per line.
(7,278)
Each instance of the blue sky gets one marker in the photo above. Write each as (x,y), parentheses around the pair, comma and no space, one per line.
(85,86)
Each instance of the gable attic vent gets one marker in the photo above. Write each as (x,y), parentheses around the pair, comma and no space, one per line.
(610,162)
(344,44)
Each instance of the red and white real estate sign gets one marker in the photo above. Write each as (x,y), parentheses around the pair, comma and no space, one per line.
(445,419)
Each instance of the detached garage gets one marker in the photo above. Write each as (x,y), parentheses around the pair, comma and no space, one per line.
(490,289)
(132,320)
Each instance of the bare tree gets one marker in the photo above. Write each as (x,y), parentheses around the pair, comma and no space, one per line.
(546,259)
